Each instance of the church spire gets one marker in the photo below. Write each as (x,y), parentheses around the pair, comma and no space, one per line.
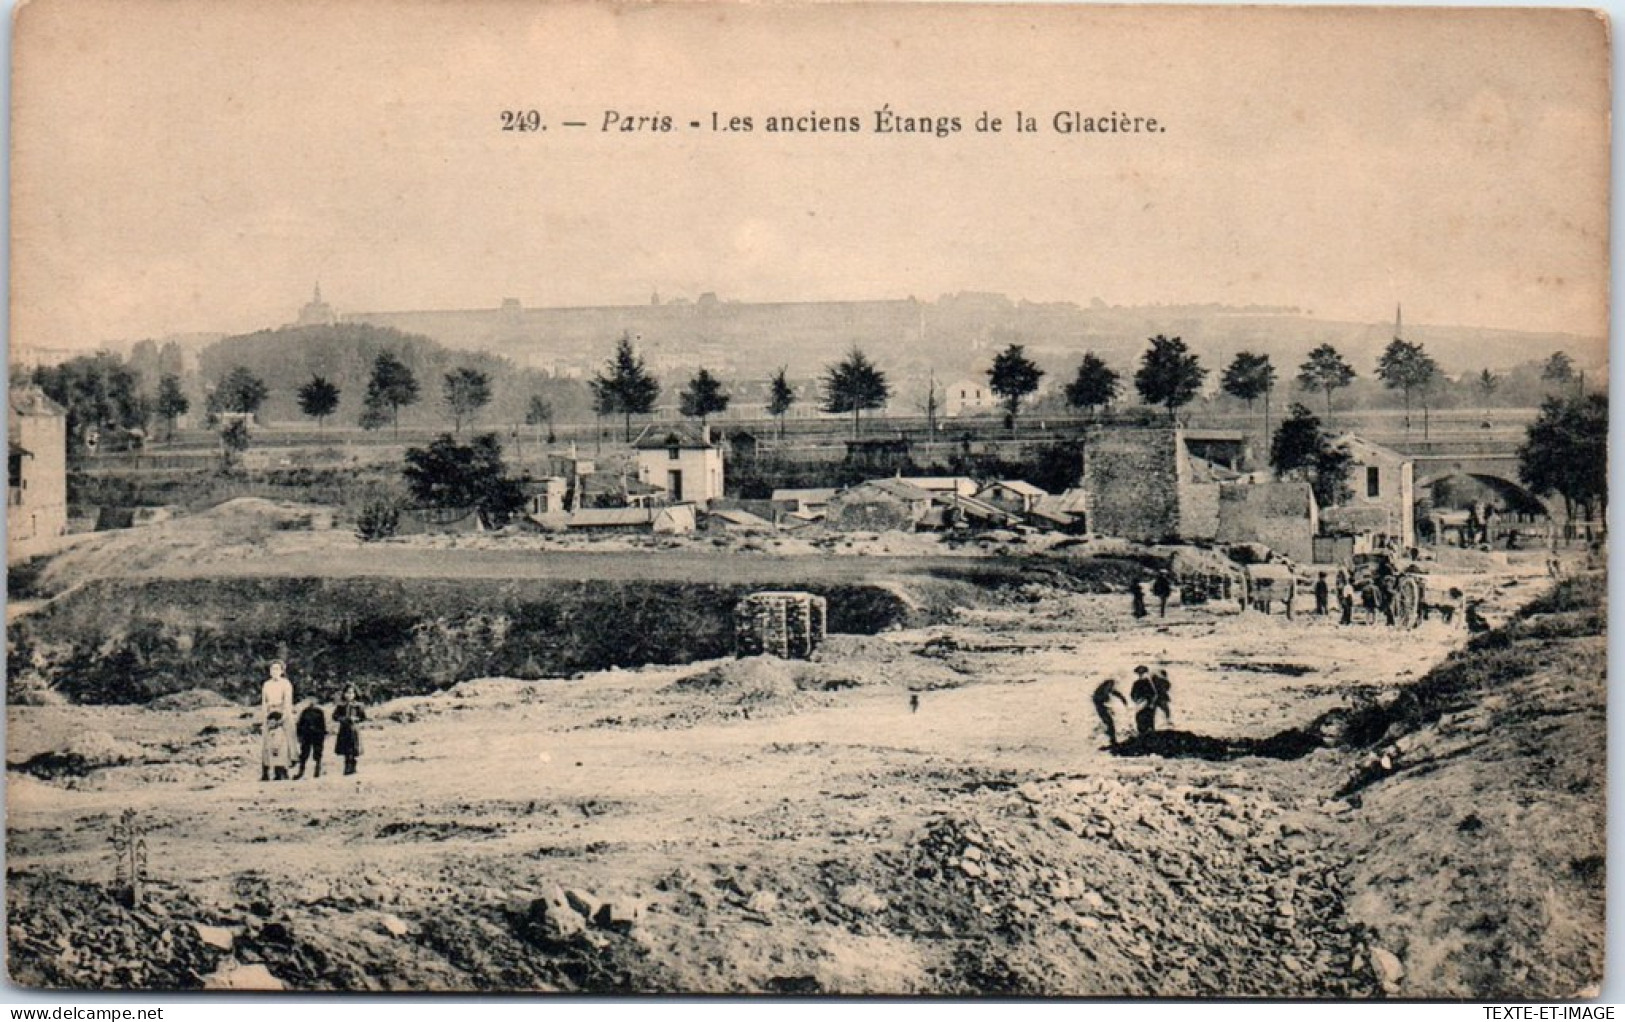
(1399,330)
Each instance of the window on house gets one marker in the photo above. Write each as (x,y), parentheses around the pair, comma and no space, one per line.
(1373,481)
(672,453)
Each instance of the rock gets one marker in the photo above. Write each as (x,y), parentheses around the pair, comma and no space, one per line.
(1387,966)
(1092,901)
(217,937)
(973,853)
(554,921)
(860,898)
(582,901)
(969,868)
(762,902)
(232,976)
(1231,829)
(620,914)
(1067,821)
(395,926)
(1029,791)
(1088,923)
(1335,807)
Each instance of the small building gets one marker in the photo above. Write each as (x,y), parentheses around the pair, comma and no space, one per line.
(36,473)
(732,519)
(969,397)
(878,505)
(546,495)
(806,500)
(680,460)
(944,486)
(1383,481)
(457,521)
(1015,495)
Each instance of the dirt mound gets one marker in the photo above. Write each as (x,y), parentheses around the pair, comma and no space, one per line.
(1504,740)
(188,700)
(80,755)
(748,679)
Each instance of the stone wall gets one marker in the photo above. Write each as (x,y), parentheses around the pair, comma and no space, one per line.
(1281,516)
(1131,482)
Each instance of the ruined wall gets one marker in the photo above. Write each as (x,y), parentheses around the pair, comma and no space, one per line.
(1198,510)
(1282,516)
(1131,482)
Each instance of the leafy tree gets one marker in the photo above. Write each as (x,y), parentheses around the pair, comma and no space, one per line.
(780,398)
(1169,374)
(242,392)
(1559,370)
(392,387)
(447,474)
(1013,376)
(1250,377)
(854,385)
(1301,449)
(703,397)
(1405,366)
(172,401)
(1488,383)
(538,412)
(625,386)
(319,398)
(98,392)
(466,392)
(1095,386)
(1566,452)
(1327,371)
(233,442)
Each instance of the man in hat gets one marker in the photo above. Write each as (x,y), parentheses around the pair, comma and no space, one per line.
(1162,588)
(1144,695)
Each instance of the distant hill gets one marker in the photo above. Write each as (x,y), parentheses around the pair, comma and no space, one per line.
(955,334)
(344,353)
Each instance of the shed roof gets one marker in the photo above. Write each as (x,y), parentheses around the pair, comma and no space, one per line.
(659,436)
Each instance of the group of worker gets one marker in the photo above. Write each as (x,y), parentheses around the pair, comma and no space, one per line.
(1150,695)
(1162,587)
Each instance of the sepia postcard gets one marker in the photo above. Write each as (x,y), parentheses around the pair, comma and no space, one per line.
(928,499)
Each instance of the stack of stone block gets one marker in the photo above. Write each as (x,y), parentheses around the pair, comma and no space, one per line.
(787,625)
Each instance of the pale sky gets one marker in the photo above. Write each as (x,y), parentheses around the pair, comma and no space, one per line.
(194,165)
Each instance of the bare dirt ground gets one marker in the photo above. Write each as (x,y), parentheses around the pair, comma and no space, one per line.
(760,826)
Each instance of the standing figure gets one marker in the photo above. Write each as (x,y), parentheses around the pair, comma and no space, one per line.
(1162,588)
(1137,593)
(276,724)
(1144,695)
(1164,695)
(914,702)
(1345,600)
(1105,692)
(347,713)
(1323,595)
(312,734)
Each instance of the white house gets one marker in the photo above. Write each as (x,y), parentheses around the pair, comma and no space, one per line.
(37,471)
(969,397)
(680,460)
